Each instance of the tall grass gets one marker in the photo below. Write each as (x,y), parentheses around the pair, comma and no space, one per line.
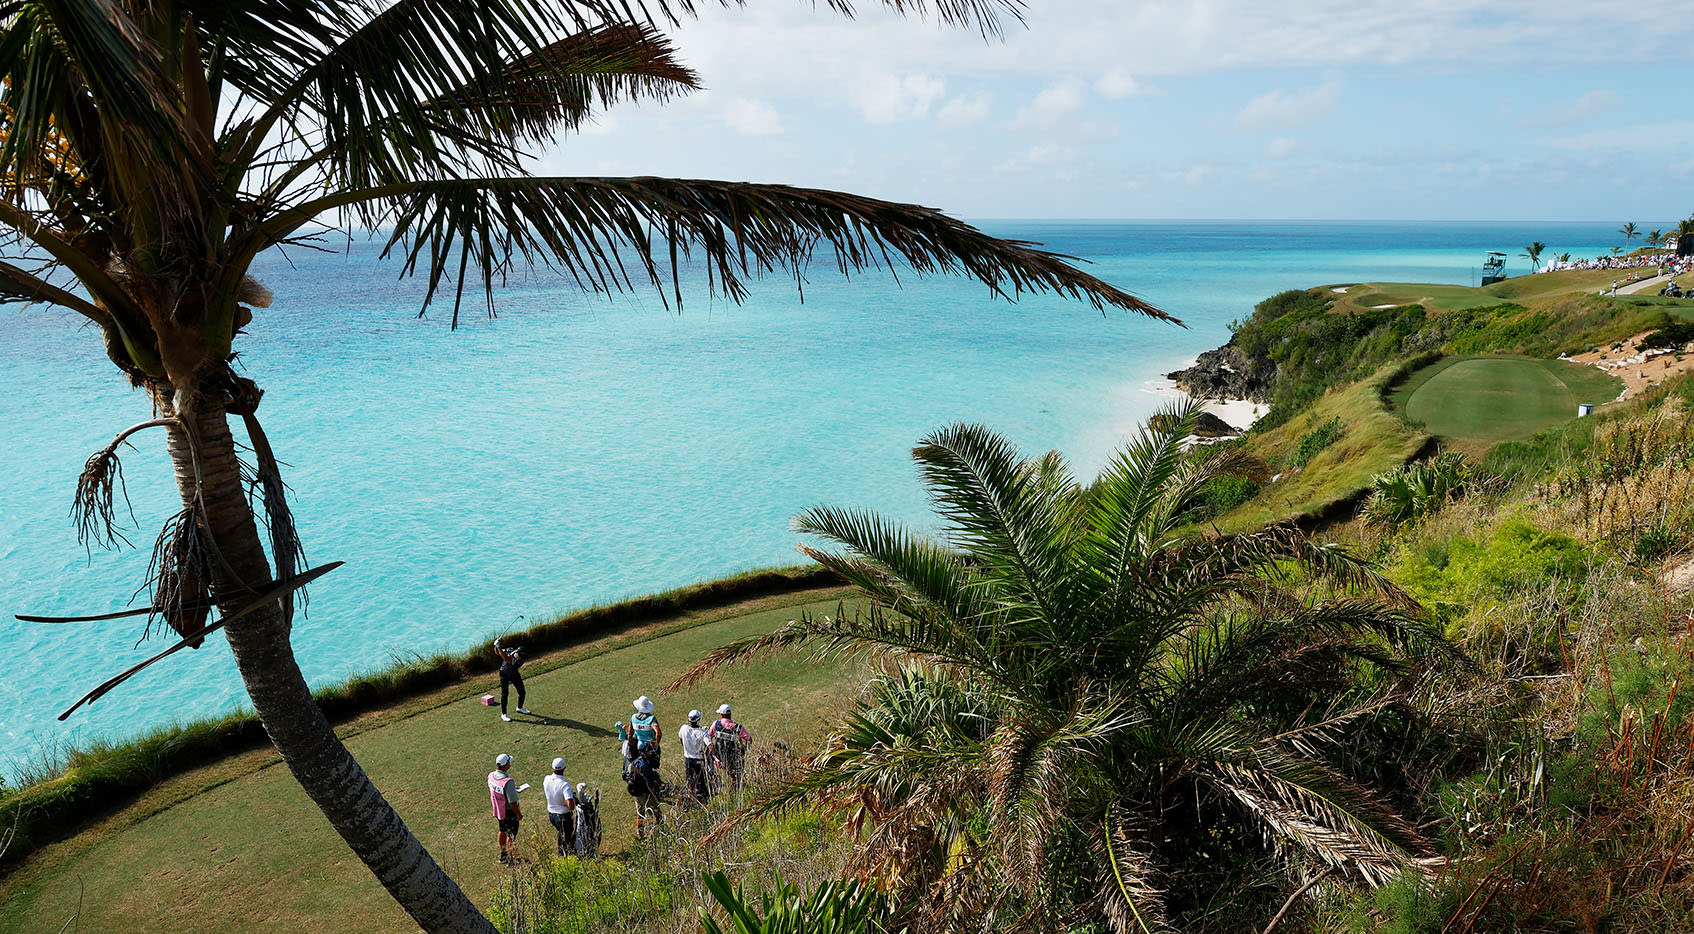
(659,885)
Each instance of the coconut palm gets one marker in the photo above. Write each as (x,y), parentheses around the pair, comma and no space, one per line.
(1090,696)
(1656,238)
(152,150)
(1533,254)
(1629,233)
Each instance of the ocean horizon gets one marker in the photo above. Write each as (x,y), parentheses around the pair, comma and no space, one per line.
(580,449)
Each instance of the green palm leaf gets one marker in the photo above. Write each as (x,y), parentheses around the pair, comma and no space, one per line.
(1151,684)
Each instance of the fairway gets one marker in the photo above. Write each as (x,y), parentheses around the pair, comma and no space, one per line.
(1481,400)
(249,852)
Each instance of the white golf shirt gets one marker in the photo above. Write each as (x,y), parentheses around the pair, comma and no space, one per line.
(693,741)
(559,793)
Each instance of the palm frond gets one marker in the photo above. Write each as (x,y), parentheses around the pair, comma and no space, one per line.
(50,45)
(558,87)
(592,227)
(1132,902)
(1131,506)
(1009,514)
(1305,806)
(869,630)
(902,569)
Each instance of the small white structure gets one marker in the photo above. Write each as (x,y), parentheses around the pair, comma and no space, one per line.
(1584,409)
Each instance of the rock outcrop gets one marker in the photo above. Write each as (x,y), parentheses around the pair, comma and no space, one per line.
(1206,425)
(1226,373)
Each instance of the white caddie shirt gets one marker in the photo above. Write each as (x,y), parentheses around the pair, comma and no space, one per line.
(558,790)
(693,741)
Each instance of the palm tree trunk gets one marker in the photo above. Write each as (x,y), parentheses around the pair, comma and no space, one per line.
(307,742)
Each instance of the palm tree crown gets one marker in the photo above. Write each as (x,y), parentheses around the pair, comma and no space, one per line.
(1097,693)
(1533,253)
(1629,233)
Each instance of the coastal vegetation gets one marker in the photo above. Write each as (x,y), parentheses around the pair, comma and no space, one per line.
(153,150)
(1089,720)
(1526,716)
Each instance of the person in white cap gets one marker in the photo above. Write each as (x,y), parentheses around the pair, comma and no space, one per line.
(730,741)
(696,743)
(503,795)
(561,805)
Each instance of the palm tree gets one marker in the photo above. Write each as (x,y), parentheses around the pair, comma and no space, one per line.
(152,150)
(1656,238)
(1533,253)
(1089,696)
(1629,233)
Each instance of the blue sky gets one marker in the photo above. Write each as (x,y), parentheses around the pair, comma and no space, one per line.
(1413,109)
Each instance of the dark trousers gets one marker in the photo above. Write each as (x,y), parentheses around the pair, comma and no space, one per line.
(507,680)
(695,770)
(565,824)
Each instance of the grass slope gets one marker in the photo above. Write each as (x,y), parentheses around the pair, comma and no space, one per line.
(236,846)
(1375,440)
(1440,297)
(1477,401)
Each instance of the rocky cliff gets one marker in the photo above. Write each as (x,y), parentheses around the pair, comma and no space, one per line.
(1226,373)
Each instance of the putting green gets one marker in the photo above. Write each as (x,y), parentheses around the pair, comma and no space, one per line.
(1486,399)
(246,850)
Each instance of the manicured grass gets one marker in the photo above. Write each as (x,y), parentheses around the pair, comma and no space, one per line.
(1522,289)
(1481,400)
(1374,440)
(236,846)
(1432,296)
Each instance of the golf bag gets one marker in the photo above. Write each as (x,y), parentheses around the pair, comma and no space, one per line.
(588,827)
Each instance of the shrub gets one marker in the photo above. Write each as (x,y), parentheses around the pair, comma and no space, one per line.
(1313,442)
(1219,495)
(1675,335)
(1472,583)
(1413,491)
(567,895)
(832,907)
(1408,904)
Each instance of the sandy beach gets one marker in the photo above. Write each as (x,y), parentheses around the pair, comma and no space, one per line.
(1239,414)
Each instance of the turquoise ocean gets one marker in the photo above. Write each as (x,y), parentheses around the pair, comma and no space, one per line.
(579,449)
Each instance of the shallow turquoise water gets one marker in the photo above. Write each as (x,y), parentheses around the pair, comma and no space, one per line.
(578,450)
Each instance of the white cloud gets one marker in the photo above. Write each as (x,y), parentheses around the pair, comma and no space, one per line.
(1569,112)
(600,125)
(1192,176)
(1052,105)
(964,111)
(888,99)
(1670,135)
(1281,147)
(748,50)
(1117,84)
(1288,110)
(1041,154)
(752,118)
